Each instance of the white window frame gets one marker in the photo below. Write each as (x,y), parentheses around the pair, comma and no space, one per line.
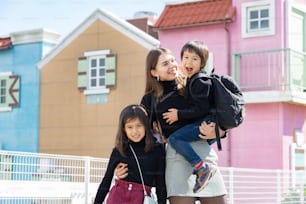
(210,63)
(95,55)
(246,8)
(3,109)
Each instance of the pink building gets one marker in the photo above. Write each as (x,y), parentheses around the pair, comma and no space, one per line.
(262,44)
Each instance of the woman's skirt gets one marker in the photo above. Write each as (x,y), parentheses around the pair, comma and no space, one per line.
(179,178)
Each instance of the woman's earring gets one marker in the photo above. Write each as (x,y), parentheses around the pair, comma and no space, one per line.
(157,78)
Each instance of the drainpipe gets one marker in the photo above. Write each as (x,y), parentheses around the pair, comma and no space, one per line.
(229,72)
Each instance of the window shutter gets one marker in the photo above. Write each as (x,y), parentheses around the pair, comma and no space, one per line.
(14,87)
(82,73)
(110,74)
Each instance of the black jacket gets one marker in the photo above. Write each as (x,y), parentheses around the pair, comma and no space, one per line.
(152,165)
(170,99)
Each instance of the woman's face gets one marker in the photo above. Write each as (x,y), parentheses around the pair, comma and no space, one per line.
(166,68)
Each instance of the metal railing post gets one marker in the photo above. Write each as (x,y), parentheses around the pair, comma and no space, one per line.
(278,186)
(87,179)
(231,185)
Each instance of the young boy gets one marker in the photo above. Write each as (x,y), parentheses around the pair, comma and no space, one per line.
(194,55)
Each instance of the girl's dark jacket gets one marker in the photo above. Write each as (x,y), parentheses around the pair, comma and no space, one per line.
(152,165)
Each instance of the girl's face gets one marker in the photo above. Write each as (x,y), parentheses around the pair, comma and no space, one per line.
(166,68)
(191,63)
(134,130)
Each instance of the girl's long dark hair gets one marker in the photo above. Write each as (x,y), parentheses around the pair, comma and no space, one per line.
(131,112)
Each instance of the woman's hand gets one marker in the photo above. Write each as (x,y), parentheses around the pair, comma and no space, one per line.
(121,170)
(171,116)
(207,131)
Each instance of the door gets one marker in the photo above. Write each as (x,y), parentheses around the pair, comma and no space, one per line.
(296,43)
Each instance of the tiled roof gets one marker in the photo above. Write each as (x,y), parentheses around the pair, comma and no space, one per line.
(5,43)
(195,13)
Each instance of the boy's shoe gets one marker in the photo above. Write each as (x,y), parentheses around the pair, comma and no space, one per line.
(203,176)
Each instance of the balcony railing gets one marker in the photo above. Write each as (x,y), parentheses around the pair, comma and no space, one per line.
(270,70)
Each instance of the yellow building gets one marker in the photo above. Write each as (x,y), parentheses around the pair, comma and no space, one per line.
(86,80)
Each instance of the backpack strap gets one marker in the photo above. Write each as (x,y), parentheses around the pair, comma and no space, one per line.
(162,138)
(153,112)
(218,138)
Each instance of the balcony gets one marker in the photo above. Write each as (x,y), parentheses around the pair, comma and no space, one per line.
(277,75)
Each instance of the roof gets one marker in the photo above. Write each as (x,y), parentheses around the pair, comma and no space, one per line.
(5,43)
(195,13)
(35,35)
(117,23)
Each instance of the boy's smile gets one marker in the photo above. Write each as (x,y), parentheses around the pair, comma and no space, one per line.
(191,63)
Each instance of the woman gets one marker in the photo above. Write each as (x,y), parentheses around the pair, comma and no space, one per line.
(161,70)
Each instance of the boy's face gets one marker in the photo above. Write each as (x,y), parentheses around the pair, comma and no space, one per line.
(191,63)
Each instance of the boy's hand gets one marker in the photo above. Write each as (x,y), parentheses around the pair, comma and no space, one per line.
(181,80)
(171,116)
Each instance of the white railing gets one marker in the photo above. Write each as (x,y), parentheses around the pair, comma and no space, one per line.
(35,178)
(47,178)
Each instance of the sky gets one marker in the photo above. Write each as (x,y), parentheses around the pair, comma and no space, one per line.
(62,16)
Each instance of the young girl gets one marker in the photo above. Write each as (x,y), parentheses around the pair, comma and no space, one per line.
(194,55)
(134,130)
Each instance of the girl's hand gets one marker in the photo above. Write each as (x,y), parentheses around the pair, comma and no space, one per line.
(171,116)
(121,170)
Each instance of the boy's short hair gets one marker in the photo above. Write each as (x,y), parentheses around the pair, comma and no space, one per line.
(199,48)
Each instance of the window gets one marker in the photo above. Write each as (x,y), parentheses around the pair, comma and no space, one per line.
(298,162)
(258,18)
(97,72)
(9,91)
(3,89)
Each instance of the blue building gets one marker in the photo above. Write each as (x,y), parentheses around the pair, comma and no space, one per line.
(19,87)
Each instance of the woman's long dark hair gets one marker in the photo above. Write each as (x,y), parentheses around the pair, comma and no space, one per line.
(131,112)
(152,83)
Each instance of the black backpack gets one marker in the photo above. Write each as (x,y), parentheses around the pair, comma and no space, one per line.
(228,103)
